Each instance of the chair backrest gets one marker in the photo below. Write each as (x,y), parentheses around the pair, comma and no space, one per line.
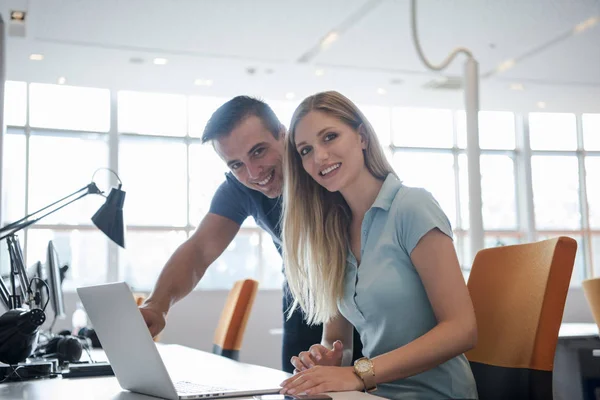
(232,325)
(519,294)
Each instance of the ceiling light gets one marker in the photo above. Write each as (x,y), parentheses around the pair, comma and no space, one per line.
(587,24)
(290,95)
(36,57)
(506,65)
(62,80)
(160,61)
(319,72)
(203,82)
(18,16)
(541,104)
(329,39)
(381,91)
(516,86)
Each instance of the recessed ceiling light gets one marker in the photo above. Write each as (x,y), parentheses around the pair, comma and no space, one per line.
(160,61)
(18,16)
(329,39)
(62,80)
(506,65)
(541,104)
(517,86)
(36,57)
(203,82)
(381,91)
(290,95)
(587,24)
(319,72)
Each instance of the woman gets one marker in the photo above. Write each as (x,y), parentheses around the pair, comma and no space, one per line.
(363,250)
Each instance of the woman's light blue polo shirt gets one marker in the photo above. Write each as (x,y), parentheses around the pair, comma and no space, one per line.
(385,299)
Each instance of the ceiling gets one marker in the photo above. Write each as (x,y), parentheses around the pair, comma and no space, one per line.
(271,48)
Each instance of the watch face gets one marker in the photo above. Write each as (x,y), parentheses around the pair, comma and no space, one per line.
(363,366)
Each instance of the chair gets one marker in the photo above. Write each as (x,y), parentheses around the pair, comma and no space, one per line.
(232,325)
(519,294)
(591,290)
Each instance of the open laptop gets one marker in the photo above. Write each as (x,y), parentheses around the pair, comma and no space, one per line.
(138,365)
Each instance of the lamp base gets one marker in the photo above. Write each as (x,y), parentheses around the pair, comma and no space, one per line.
(28,370)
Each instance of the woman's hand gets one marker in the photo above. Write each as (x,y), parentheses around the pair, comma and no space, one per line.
(320,379)
(319,355)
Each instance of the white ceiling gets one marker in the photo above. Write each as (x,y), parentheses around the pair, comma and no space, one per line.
(91,43)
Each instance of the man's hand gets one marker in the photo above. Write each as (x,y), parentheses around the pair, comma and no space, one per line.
(319,355)
(155,320)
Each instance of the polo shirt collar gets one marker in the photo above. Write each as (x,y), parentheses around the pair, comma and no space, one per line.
(388,191)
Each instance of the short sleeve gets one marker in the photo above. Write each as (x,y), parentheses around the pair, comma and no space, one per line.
(417,212)
(230,202)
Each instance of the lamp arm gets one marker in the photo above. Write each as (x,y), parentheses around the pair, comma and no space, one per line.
(24,222)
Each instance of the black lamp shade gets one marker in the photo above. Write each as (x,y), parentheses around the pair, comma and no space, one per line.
(109,217)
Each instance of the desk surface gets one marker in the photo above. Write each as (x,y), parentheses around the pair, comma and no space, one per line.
(107,388)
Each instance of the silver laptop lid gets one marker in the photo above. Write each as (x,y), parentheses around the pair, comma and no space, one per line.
(126,340)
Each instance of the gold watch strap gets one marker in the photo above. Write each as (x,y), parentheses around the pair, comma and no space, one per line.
(368,377)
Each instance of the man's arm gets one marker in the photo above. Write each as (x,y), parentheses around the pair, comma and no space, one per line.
(185,268)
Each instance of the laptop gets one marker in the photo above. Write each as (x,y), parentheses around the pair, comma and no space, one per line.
(139,367)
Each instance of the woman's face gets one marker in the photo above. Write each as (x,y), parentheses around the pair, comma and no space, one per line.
(331,151)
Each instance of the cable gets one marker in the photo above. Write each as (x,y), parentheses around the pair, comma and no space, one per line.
(448,60)
(13,373)
(108,169)
(47,290)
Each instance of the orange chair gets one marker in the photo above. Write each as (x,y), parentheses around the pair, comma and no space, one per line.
(519,294)
(232,325)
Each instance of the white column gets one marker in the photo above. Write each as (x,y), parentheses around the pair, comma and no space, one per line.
(473,156)
(2,124)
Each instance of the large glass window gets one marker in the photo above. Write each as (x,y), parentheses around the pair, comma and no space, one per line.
(499,205)
(496,130)
(431,171)
(200,109)
(592,174)
(591,131)
(59,165)
(548,131)
(15,103)
(422,127)
(69,107)
(556,192)
(154,174)
(13,176)
(152,113)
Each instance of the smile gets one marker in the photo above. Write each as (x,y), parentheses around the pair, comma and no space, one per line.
(330,169)
(267,180)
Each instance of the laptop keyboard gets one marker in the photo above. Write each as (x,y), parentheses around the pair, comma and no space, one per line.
(184,387)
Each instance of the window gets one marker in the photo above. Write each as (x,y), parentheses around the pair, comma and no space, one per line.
(497,191)
(431,171)
(59,165)
(549,131)
(422,127)
(146,254)
(207,172)
(154,175)
(238,261)
(84,251)
(15,103)
(284,111)
(591,131)
(496,130)
(556,192)
(13,176)
(69,107)
(200,109)
(152,113)
(592,170)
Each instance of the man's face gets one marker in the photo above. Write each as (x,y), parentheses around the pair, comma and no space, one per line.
(254,156)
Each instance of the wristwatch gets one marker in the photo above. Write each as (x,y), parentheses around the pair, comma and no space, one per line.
(363,367)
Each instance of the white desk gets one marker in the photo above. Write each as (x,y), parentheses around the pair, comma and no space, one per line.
(107,388)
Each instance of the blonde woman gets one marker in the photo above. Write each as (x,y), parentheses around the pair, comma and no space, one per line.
(363,250)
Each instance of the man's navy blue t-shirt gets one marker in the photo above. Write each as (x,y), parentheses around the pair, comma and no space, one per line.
(237,202)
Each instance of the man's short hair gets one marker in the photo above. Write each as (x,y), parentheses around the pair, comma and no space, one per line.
(234,112)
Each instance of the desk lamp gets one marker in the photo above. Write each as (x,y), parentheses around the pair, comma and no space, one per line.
(19,327)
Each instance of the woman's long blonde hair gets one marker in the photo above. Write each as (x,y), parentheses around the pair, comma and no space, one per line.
(316,222)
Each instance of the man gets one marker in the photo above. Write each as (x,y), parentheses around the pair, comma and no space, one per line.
(248,136)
